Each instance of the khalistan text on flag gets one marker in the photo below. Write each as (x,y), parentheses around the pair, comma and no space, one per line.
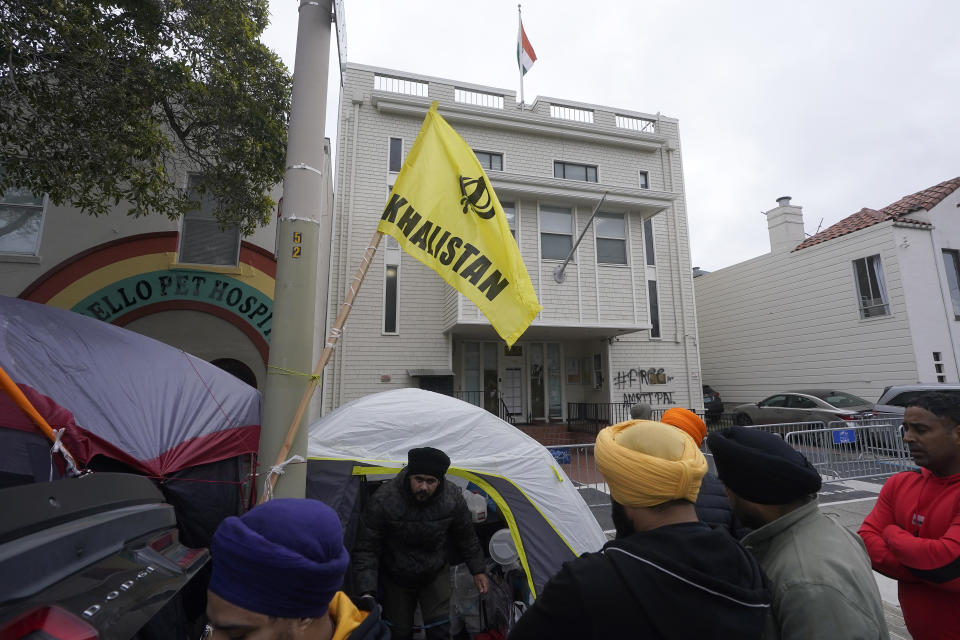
(525,55)
(444,213)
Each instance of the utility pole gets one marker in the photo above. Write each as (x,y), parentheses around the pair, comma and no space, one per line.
(303,251)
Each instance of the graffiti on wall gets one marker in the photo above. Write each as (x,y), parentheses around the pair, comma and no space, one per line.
(640,378)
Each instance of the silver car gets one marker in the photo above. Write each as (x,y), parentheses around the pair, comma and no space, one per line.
(893,399)
(807,405)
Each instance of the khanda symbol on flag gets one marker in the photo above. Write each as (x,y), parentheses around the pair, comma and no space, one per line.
(476,196)
(440,183)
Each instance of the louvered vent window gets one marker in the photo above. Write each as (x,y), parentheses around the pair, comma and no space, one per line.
(202,241)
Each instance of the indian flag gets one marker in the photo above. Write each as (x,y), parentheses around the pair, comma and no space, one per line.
(525,55)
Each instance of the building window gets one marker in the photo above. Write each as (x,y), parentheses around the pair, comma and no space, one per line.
(938,363)
(202,239)
(510,211)
(648,242)
(611,238)
(572,171)
(21,221)
(391,287)
(654,309)
(391,271)
(490,161)
(871,290)
(556,232)
(644,180)
(951,263)
(597,371)
(396,155)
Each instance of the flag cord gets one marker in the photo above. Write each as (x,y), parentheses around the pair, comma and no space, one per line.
(334,336)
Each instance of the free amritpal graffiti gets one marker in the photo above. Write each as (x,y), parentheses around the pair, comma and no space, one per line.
(640,379)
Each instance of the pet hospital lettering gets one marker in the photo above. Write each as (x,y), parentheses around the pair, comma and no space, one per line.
(145,289)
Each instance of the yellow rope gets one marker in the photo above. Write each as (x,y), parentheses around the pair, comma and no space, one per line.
(318,378)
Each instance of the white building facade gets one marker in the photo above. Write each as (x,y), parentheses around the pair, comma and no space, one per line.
(869,302)
(619,328)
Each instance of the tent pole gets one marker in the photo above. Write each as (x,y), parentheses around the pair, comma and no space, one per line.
(8,385)
(332,338)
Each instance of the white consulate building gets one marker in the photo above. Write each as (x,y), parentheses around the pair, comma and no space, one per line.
(619,328)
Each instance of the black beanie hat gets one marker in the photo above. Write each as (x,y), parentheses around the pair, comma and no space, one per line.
(427,461)
(761,467)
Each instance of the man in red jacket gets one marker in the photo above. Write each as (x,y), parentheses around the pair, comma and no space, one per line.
(913,532)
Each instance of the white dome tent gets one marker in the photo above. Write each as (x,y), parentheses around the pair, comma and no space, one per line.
(548,520)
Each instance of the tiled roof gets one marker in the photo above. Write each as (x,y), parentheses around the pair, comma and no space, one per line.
(898,211)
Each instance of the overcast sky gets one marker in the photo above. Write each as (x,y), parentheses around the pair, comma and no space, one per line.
(839,104)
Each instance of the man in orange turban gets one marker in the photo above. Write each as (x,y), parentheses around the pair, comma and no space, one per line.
(664,563)
(713,506)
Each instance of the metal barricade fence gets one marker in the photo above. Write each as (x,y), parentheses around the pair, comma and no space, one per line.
(839,450)
(851,450)
(578,462)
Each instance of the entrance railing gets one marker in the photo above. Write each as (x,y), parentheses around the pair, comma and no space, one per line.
(492,401)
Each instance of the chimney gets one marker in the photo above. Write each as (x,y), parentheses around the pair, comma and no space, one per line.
(785,224)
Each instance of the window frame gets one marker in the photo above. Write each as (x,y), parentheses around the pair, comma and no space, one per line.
(649,246)
(644,178)
(653,307)
(563,164)
(555,209)
(384,330)
(879,282)
(951,258)
(490,155)
(183,232)
(42,207)
(390,142)
(623,240)
(515,229)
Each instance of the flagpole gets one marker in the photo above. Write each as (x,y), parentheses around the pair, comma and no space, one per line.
(21,400)
(334,336)
(519,65)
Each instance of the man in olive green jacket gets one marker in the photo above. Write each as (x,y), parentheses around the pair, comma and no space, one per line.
(820,575)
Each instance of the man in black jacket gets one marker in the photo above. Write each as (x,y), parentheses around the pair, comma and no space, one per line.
(403,539)
(666,575)
(713,506)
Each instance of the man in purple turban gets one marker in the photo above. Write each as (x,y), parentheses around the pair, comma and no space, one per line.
(277,573)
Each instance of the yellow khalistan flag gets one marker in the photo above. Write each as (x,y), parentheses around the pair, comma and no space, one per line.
(444,213)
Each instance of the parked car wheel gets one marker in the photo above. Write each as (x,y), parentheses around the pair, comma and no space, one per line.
(742,419)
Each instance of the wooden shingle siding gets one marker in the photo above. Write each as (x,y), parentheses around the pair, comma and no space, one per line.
(792,321)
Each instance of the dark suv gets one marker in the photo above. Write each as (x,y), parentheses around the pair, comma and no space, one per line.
(712,404)
(96,557)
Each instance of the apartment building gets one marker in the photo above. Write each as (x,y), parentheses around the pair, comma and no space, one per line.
(619,324)
(868,302)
